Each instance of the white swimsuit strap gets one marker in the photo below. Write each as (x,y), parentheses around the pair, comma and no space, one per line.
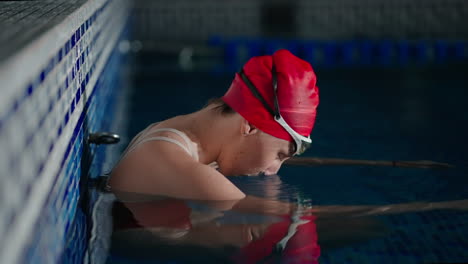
(193,150)
(136,140)
(179,133)
(140,139)
(168,140)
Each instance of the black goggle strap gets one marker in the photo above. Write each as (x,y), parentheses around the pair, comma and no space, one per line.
(275,88)
(256,93)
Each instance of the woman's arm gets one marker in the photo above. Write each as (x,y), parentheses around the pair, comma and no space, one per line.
(158,168)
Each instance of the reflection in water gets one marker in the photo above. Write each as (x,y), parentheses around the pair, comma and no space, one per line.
(274,226)
(236,236)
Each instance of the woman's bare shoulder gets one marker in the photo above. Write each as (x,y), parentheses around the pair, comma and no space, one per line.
(163,168)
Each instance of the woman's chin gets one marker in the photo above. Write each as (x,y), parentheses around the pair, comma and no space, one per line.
(233,172)
(226,171)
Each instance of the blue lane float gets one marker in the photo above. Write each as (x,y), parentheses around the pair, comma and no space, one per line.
(346,53)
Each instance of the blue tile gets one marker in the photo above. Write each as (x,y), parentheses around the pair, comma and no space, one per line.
(61,91)
(29,89)
(42,76)
(60,55)
(41,121)
(41,168)
(15,106)
(77,96)
(51,147)
(67,226)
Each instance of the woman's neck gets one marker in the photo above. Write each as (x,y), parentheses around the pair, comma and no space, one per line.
(210,130)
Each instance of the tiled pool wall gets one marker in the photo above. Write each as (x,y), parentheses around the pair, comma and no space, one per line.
(67,83)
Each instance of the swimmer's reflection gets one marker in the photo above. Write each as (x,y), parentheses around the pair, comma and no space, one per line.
(239,235)
(252,230)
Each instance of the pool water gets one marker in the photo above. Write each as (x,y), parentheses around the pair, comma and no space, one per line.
(343,214)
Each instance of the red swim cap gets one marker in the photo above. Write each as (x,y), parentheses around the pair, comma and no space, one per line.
(298,95)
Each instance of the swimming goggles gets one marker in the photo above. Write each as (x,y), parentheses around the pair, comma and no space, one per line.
(301,143)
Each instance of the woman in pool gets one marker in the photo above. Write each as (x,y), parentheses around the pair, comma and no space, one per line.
(264,118)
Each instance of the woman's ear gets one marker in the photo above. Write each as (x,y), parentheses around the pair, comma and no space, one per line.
(247,128)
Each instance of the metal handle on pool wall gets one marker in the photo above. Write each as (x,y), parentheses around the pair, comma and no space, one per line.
(106,138)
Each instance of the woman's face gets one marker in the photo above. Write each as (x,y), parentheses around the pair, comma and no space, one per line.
(255,154)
